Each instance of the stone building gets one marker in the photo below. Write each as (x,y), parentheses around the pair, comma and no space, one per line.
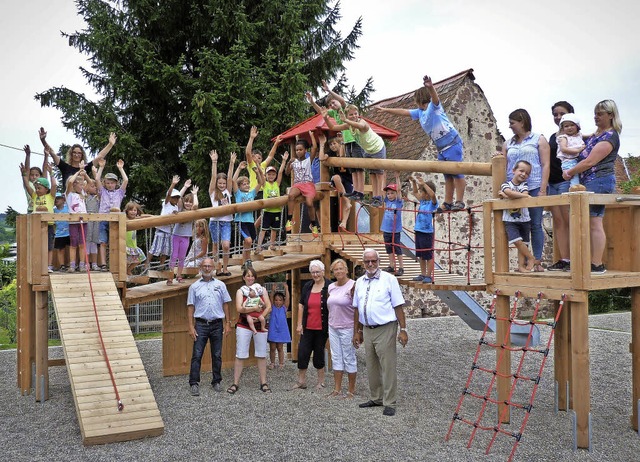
(468,109)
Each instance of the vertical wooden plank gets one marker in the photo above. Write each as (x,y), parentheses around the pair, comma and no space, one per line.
(503,383)
(25,325)
(487,209)
(635,316)
(581,390)
(562,357)
(296,287)
(34,253)
(579,239)
(177,344)
(42,346)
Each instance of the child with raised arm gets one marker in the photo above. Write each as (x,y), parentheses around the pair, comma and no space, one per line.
(161,244)
(517,222)
(253,299)
(340,177)
(570,144)
(391,227)
(61,241)
(135,255)
(253,157)
(182,232)
(336,104)
(426,194)
(76,197)
(220,227)
(92,203)
(243,193)
(199,244)
(111,195)
(302,184)
(372,144)
(43,198)
(436,124)
(279,334)
(33,173)
(271,215)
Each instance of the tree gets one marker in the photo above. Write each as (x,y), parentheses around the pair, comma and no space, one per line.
(178,78)
(10,217)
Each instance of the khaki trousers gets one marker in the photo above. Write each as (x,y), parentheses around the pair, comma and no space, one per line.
(381,358)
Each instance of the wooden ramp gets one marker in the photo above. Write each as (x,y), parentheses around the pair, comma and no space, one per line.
(94,395)
(352,251)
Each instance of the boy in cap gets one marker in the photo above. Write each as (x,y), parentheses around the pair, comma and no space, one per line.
(570,144)
(43,201)
(271,216)
(391,227)
(111,197)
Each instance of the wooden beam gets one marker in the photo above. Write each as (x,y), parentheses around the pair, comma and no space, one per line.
(408,165)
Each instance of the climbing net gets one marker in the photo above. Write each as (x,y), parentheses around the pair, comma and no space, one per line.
(480,386)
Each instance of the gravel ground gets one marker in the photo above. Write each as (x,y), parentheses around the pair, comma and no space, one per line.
(303,425)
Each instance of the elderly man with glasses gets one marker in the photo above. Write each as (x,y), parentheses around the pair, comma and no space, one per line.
(379,311)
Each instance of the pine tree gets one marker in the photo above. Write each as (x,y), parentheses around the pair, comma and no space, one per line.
(178,78)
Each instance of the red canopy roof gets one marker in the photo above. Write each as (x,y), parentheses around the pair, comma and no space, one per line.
(316,124)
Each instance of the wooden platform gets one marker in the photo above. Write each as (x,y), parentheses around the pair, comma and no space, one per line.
(96,405)
(352,251)
(160,290)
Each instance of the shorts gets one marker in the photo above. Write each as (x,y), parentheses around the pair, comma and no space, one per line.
(392,243)
(354,150)
(220,230)
(247,230)
(343,353)
(161,243)
(76,234)
(518,231)
(103,232)
(135,255)
(259,195)
(271,221)
(381,154)
(61,243)
(601,185)
(424,241)
(307,189)
(243,339)
(51,236)
(556,189)
(346,182)
(453,153)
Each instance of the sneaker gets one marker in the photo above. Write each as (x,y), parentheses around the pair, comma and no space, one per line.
(427,280)
(217,387)
(598,269)
(458,206)
(400,272)
(289,226)
(359,196)
(72,269)
(445,207)
(247,264)
(389,269)
(419,278)
(376,201)
(351,194)
(82,268)
(195,390)
(315,230)
(95,267)
(104,268)
(560,265)
(50,269)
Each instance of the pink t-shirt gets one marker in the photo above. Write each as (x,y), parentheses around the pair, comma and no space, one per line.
(75,202)
(340,304)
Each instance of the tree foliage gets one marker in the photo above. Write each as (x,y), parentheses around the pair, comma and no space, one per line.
(178,78)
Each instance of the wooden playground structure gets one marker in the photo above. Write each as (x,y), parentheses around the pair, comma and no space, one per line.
(101,420)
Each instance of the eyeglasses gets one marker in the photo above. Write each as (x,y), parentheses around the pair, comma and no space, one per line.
(370,262)
(315,273)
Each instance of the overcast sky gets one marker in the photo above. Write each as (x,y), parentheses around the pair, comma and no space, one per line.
(524,54)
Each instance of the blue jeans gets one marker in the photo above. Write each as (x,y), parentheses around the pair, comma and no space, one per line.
(213,333)
(600,185)
(537,233)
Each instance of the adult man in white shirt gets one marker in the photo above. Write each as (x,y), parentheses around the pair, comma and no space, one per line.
(379,311)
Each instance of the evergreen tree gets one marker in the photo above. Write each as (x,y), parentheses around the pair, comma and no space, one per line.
(178,78)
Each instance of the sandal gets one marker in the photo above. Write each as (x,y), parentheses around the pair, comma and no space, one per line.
(320,386)
(180,280)
(349,395)
(169,282)
(104,268)
(400,272)
(538,268)
(298,386)
(225,273)
(265,388)
(232,389)
(334,393)
(271,366)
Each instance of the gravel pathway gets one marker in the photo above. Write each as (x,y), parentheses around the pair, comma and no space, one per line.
(304,425)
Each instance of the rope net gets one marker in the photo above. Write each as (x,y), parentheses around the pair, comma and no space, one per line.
(482,404)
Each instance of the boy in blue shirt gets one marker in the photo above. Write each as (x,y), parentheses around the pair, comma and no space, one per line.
(425,193)
(391,227)
(243,193)
(61,240)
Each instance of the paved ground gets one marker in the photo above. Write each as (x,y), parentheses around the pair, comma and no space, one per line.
(303,425)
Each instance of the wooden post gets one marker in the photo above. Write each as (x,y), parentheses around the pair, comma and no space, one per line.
(42,346)
(296,287)
(635,317)
(581,390)
(579,238)
(498,170)
(25,325)
(562,356)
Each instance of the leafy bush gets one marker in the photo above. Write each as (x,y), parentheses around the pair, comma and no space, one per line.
(8,305)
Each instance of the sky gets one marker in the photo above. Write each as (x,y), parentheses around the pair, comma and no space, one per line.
(524,55)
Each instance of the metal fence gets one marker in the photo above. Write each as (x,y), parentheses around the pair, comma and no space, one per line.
(143,318)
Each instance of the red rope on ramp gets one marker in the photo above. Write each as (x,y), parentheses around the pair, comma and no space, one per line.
(95,312)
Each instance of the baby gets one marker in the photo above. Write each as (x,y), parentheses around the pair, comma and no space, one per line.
(253,299)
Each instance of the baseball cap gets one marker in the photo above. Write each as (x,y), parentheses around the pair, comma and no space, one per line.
(392,187)
(570,118)
(44,182)
(175,193)
(271,169)
(59,194)
(111,176)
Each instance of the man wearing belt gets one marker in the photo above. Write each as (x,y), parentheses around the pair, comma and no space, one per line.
(208,305)
(378,302)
